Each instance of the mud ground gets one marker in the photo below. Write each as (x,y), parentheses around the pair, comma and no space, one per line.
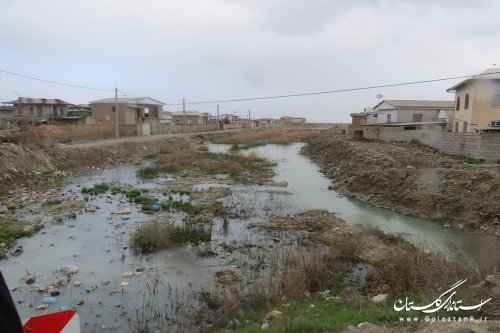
(412,179)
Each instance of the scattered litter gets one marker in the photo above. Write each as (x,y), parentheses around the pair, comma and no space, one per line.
(379,298)
(49,300)
(42,307)
(123,211)
(69,270)
(126,275)
(125,283)
(91,288)
(77,283)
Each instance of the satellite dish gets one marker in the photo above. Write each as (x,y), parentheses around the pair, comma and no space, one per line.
(379,96)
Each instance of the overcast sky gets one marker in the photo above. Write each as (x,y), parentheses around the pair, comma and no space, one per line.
(224,49)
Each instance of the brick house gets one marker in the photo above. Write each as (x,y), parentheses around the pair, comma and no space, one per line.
(190,117)
(131,111)
(40,108)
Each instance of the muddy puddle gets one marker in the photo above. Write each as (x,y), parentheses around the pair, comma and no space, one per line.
(113,286)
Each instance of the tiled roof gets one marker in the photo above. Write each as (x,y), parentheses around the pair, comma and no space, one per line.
(189,113)
(419,103)
(31,100)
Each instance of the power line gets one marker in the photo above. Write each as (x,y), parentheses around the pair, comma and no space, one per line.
(266,97)
(54,82)
(339,90)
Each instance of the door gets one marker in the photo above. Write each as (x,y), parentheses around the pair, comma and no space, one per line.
(146,129)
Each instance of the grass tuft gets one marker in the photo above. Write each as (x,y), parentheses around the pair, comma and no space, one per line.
(10,230)
(153,236)
(52,202)
(4,192)
(192,161)
(149,172)
(96,189)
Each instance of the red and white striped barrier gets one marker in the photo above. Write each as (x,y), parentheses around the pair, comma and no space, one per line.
(57,322)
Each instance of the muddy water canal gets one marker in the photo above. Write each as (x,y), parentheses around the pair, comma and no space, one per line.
(112,284)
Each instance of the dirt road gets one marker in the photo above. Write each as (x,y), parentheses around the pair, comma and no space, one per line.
(134,139)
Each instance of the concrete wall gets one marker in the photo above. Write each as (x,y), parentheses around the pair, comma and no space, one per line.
(174,128)
(477,145)
(370,132)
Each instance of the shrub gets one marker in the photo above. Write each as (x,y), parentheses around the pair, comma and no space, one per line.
(149,172)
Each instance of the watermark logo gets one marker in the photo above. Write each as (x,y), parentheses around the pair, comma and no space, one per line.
(445,301)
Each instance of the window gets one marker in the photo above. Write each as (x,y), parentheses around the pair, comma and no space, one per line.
(456,126)
(495,100)
(466,102)
(457,106)
(113,109)
(389,116)
(32,110)
(417,117)
(465,126)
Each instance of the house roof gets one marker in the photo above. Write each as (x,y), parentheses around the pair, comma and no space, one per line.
(190,113)
(441,123)
(489,74)
(129,100)
(31,100)
(424,104)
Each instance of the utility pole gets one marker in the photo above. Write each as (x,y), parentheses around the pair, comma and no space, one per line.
(217,117)
(184,113)
(116,115)
(248,114)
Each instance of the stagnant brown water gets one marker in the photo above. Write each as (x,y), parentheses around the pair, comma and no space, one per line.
(97,241)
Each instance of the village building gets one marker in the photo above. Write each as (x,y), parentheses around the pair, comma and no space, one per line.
(131,110)
(42,109)
(190,118)
(477,102)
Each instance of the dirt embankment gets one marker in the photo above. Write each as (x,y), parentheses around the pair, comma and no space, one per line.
(412,179)
(36,162)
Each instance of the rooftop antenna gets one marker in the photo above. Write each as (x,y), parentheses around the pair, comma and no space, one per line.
(379,98)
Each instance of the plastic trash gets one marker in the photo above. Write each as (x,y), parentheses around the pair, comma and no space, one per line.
(128,274)
(125,218)
(125,283)
(69,270)
(49,300)
(63,308)
(155,207)
(124,211)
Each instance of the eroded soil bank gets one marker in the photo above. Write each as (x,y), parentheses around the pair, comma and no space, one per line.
(412,179)
(41,160)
